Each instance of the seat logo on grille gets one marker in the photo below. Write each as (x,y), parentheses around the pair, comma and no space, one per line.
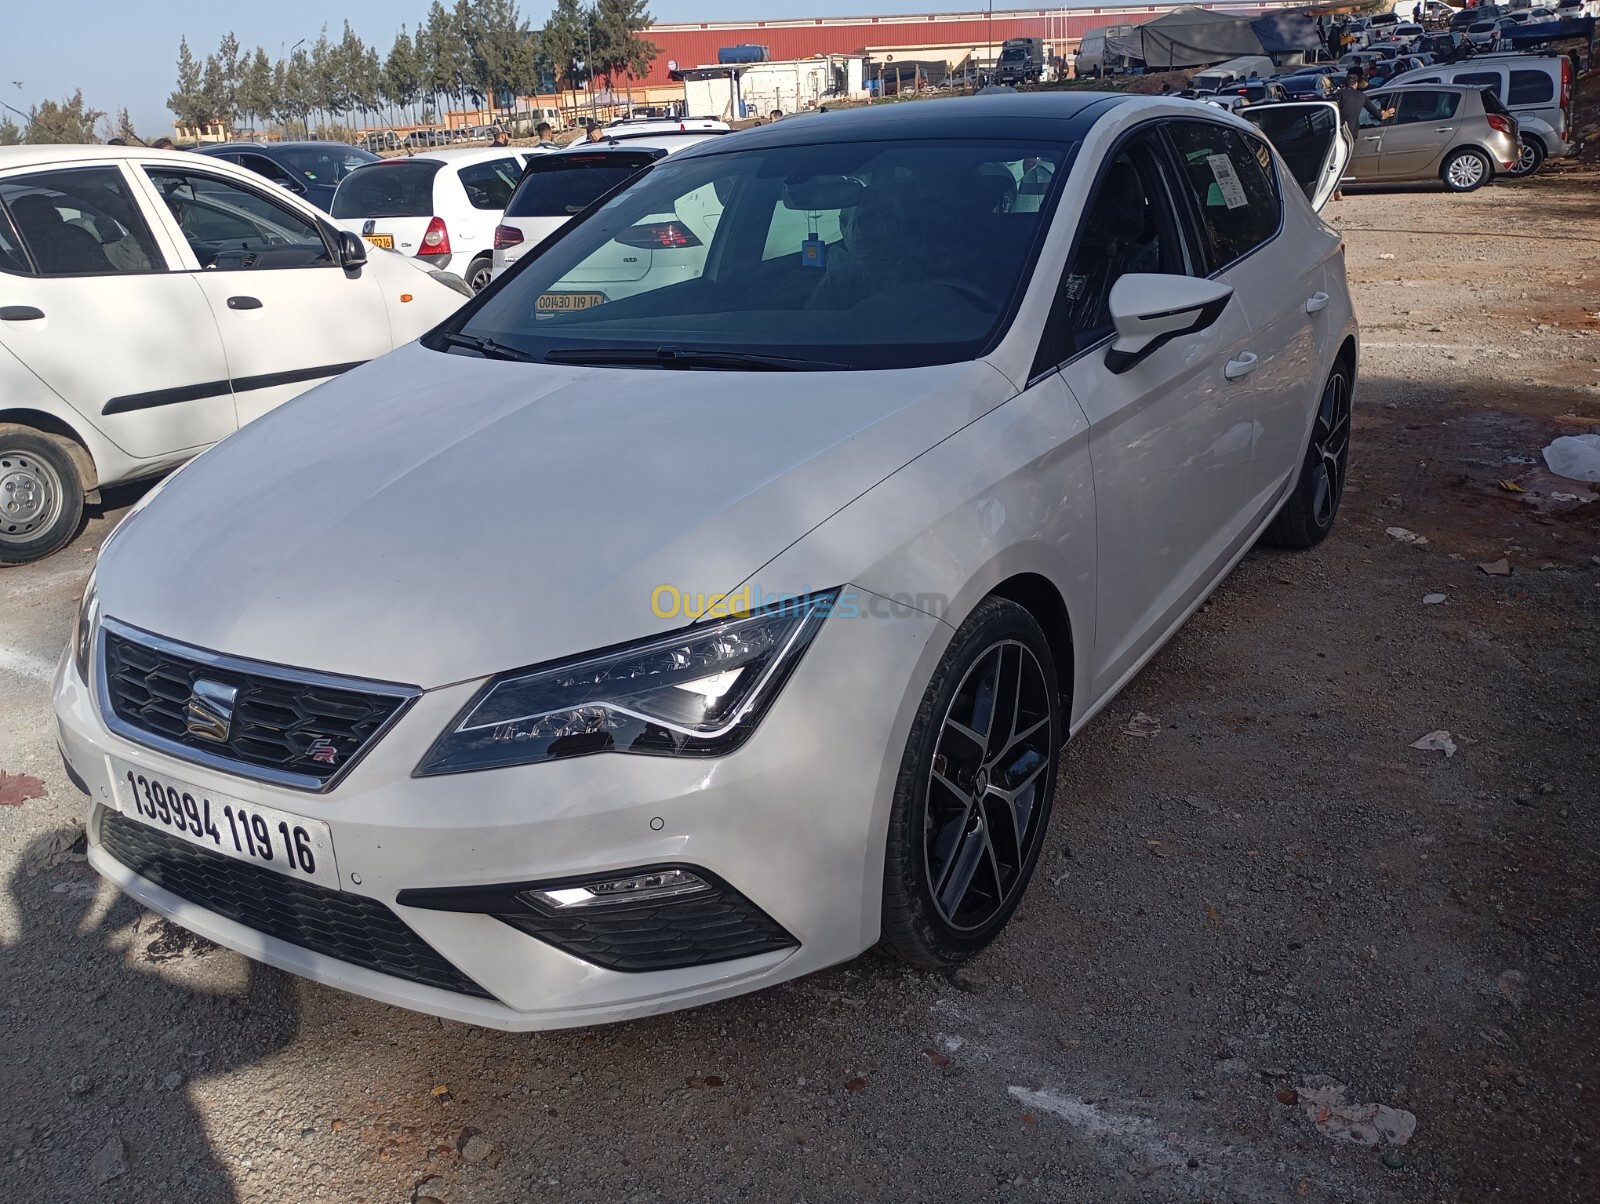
(209,713)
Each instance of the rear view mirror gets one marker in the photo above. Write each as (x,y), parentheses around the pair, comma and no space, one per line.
(1149,311)
(352,251)
(822,192)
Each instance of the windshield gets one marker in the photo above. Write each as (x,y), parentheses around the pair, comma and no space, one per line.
(561,185)
(392,188)
(324,166)
(849,255)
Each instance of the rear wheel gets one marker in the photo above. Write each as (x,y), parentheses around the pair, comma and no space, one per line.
(1532,157)
(478,273)
(1466,171)
(1307,517)
(41,495)
(975,788)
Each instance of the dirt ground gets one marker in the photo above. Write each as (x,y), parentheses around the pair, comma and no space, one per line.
(1272,897)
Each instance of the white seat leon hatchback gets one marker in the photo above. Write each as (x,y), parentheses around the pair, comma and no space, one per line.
(588,660)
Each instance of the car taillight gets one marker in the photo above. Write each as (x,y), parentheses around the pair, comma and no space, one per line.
(436,240)
(1566,82)
(506,236)
(1496,122)
(658,236)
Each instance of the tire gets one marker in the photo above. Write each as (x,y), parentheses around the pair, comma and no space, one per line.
(1311,508)
(478,273)
(41,495)
(1533,154)
(960,852)
(1467,170)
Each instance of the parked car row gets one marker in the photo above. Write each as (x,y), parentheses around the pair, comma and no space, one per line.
(387,690)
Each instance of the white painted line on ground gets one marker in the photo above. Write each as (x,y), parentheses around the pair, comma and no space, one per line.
(21,663)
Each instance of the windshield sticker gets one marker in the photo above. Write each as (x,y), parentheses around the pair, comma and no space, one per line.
(1228,181)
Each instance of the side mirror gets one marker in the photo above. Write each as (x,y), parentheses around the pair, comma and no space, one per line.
(1149,311)
(352,251)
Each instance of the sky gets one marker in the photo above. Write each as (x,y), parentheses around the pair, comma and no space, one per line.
(122,53)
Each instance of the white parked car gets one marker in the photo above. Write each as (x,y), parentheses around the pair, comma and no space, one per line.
(566,182)
(573,665)
(440,207)
(152,302)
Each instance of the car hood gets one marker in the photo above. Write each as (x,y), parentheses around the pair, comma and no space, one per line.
(431,518)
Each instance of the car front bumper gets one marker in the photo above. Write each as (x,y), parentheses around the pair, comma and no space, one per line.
(794,820)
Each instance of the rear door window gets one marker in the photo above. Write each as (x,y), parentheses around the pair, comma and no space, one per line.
(1490,80)
(1416,107)
(1231,179)
(561,185)
(1303,134)
(490,185)
(1531,88)
(393,188)
(81,221)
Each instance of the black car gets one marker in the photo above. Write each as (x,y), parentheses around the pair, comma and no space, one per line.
(1445,46)
(308,169)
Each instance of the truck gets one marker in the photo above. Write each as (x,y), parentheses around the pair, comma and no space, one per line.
(1021,61)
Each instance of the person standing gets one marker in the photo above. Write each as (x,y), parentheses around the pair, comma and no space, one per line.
(542,131)
(1352,103)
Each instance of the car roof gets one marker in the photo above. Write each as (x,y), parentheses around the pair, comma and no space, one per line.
(1007,116)
(471,154)
(258,147)
(28,155)
(666,142)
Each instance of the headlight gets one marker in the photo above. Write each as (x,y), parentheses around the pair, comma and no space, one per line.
(697,693)
(83,626)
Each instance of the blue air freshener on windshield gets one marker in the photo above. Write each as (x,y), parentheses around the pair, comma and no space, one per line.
(814,252)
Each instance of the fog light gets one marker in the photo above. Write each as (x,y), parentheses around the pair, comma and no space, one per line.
(637,888)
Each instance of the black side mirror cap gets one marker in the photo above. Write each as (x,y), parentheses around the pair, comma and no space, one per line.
(352,251)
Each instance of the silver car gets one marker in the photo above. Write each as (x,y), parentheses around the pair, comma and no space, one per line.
(1459,135)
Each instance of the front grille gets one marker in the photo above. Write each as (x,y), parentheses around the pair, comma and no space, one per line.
(301,731)
(349,927)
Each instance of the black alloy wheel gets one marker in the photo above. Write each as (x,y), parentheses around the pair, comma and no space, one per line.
(1308,514)
(975,789)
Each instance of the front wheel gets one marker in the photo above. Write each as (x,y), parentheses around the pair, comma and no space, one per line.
(1466,171)
(975,787)
(41,495)
(478,273)
(1531,158)
(1307,516)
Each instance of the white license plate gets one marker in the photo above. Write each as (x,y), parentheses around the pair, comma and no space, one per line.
(264,836)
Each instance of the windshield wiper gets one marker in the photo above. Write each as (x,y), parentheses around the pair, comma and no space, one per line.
(685,357)
(487,348)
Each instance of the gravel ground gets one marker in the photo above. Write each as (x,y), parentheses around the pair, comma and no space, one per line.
(1271,896)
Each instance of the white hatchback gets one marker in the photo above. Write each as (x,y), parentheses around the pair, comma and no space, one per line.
(575,664)
(152,302)
(566,182)
(440,207)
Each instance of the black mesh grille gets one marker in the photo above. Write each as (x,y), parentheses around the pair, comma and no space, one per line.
(349,927)
(692,931)
(275,721)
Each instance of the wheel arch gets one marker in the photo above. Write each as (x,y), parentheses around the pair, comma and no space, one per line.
(50,424)
(1037,595)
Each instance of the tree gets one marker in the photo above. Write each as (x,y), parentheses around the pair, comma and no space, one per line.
(503,50)
(402,72)
(447,54)
(618,48)
(564,43)
(69,121)
(123,128)
(256,94)
(186,101)
(216,105)
(10,135)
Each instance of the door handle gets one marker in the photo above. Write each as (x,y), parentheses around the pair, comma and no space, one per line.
(1316,303)
(20,313)
(1242,366)
(1443,129)
(243,303)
